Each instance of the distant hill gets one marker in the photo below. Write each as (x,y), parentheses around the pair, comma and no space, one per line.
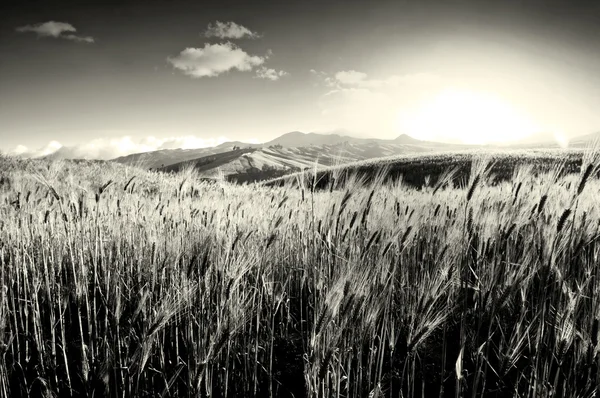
(421,169)
(297,139)
(295,151)
(584,140)
(407,139)
(167,157)
(549,140)
(285,154)
(252,164)
(371,147)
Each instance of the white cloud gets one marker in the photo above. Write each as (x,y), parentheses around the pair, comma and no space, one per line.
(360,110)
(371,106)
(23,151)
(55,29)
(320,77)
(19,150)
(48,29)
(350,77)
(330,82)
(104,148)
(267,73)
(80,39)
(229,30)
(214,59)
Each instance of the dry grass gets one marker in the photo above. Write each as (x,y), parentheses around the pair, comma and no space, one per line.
(120,282)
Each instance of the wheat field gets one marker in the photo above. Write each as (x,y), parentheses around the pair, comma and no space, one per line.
(120,282)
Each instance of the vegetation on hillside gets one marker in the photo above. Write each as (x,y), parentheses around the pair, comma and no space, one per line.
(417,170)
(120,282)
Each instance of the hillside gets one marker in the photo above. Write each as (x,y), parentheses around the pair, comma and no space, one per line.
(288,153)
(172,262)
(296,151)
(585,140)
(299,139)
(253,164)
(167,157)
(418,169)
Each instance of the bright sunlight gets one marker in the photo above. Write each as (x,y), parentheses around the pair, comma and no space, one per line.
(469,117)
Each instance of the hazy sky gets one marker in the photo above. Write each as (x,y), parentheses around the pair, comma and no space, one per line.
(114,77)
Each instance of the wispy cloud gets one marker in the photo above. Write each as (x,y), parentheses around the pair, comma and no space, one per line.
(271,74)
(48,29)
(214,59)
(48,149)
(104,148)
(352,78)
(359,109)
(56,30)
(229,30)
(363,104)
(80,39)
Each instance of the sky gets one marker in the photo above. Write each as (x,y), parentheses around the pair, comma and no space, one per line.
(109,78)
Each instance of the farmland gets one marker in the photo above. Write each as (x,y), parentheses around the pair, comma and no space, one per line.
(418,169)
(117,281)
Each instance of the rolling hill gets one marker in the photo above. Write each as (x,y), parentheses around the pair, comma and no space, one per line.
(419,169)
(275,159)
(299,139)
(330,144)
(288,153)
(296,151)
(167,157)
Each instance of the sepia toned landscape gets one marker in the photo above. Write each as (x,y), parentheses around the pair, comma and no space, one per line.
(345,199)
(123,282)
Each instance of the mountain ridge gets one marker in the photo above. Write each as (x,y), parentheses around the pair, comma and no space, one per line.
(329,143)
(296,150)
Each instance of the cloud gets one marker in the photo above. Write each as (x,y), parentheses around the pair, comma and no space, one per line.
(371,106)
(19,150)
(104,148)
(55,29)
(23,151)
(352,78)
(229,30)
(267,73)
(80,39)
(48,29)
(360,110)
(214,59)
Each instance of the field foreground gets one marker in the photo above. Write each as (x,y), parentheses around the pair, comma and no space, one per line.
(126,283)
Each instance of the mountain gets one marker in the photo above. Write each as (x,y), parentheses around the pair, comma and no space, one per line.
(297,139)
(537,140)
(585,140)
(167,157)
(550,140)
(251,164)
(407,139)
(289,152)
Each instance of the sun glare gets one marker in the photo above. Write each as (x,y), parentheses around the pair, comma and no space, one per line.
(469,117)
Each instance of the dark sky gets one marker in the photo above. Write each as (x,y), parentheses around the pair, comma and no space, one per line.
(454,70)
